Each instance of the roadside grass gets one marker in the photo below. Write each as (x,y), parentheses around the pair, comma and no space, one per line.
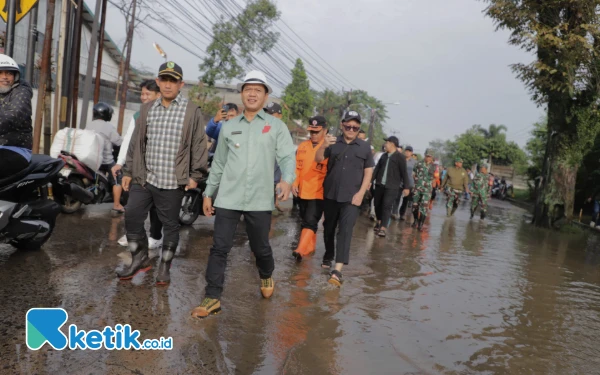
(522,195)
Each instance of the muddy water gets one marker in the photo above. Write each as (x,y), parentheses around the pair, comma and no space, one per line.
(464,297)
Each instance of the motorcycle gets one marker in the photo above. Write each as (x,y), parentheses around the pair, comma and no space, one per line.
(501,189)
(30,202)
(96,182)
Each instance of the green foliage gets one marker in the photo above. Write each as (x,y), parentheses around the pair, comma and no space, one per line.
(297,95)
(443,151)
(205,97)
(247,33)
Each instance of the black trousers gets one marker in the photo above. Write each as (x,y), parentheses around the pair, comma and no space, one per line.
(405,203)
(311,211)
(155,224)
(344,215)
(167,203)
(258,225)
(11,163)
(384,200)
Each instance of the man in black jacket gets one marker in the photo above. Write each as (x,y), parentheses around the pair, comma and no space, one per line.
(15,119)
(390,173)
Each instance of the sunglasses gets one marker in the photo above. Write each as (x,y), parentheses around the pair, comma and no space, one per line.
(353,128)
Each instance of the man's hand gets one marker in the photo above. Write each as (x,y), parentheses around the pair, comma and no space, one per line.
(207,207)
(221,114)
(285,190)
(125,182)
(295,190)
(115,169)
(191,184)
(329,140)
(405,192)
(358,198)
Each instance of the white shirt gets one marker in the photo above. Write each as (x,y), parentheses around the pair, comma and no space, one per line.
(125,145)
(110,135)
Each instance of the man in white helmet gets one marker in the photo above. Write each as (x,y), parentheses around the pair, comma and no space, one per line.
(16,138)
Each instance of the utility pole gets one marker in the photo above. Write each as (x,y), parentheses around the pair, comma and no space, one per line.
(87,88)
(126,70)
(76,47)
(45,72)
(65,100)
(31,42)
(100,52)
(9,47)
(372,125)
(58,94)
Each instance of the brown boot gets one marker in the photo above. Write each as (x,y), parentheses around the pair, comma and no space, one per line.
(304,244)
(267,287)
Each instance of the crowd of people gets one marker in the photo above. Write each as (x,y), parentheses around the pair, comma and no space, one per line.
(253,164)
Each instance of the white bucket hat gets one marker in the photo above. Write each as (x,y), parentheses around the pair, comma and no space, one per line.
(255,76)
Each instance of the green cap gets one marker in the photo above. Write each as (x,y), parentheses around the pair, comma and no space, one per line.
(458,159)
(430,152)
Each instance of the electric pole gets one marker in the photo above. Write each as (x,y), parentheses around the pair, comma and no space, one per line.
(126,69)
(100,52)
(31,42)
(9,46)
(87,88)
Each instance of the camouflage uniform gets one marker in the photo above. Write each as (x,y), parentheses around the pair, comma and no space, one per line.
(455,182)
(480,192)
(423,186)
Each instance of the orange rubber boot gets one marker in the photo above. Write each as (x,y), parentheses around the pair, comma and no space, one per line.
(304,244)
(313,243)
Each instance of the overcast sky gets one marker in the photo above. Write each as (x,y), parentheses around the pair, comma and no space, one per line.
(441,59)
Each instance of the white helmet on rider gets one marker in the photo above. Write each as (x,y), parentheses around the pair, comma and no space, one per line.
(8,64)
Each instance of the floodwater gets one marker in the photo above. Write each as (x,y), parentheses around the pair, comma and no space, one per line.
(463,297)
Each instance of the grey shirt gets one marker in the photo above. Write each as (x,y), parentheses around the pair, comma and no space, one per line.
(410,164)
(108,132)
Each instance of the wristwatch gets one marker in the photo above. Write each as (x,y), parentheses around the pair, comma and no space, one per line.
(204,195)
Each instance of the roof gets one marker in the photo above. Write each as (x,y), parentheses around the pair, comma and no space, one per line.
(109,45)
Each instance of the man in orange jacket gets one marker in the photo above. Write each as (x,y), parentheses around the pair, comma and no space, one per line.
(309,186)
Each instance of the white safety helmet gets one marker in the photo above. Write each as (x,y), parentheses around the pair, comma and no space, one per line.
(7,63)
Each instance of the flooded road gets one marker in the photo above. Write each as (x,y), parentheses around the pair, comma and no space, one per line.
(463,297)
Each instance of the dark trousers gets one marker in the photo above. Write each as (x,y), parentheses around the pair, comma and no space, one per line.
(344,214)
(258,225)
(405,202)
(167,203)
(311,211)
(384,200)
(155,224)
(11,163)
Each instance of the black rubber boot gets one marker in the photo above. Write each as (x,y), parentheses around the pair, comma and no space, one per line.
(482,215)
(416,216)
(472,213)
(168,252)
(138,247)
(421,222)
(454,208)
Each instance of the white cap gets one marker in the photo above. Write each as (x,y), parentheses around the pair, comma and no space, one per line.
(255,76)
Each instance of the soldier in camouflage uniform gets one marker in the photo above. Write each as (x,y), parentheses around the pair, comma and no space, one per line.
(481,190)
(456,182)
(424,174)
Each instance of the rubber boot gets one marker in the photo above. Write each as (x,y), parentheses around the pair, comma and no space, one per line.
(421,222)
(416,217)
(454,208)
(313,243)
(482,215)
(448,211)
(472,212)
(304,244)
(138,247)
(164,270)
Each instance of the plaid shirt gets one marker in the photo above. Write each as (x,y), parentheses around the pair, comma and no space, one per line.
(165,126)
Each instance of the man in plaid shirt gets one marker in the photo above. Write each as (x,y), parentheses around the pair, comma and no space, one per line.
(167,155)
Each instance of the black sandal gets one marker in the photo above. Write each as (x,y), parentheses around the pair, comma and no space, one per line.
(335,278)
(326,264)
(377,228)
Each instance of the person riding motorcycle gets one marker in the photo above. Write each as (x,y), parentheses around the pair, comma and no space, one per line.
(101,124)
(16,132)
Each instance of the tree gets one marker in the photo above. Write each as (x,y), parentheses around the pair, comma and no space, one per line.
(297,95)
(234,41)
(442,150)
(205,97)
(565,36)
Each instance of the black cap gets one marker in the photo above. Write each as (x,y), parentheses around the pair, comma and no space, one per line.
(352,115)
(171,69)
(394,140)
(273,108)
(317,123)
(408,148)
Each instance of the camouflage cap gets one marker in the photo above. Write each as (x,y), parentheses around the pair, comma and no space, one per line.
(458,159)
(430,152)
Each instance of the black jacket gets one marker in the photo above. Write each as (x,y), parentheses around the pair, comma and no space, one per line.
(15,116)
(396,174)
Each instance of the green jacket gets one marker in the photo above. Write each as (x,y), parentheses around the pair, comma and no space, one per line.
(456,178)
(244,163)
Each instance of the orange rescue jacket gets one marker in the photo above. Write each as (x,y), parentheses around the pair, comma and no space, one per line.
(309,174)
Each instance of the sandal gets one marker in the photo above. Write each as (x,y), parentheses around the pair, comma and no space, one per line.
(326,264)
(377,228)
(381,233)
(335,278)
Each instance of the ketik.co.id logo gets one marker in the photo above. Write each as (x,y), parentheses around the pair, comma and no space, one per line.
(43,326)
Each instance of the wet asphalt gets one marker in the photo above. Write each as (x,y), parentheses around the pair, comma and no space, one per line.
(462,297)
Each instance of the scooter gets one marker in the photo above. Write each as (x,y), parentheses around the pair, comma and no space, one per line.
(30,201)
(96,182)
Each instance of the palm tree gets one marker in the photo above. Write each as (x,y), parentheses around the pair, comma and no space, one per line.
(491,135)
